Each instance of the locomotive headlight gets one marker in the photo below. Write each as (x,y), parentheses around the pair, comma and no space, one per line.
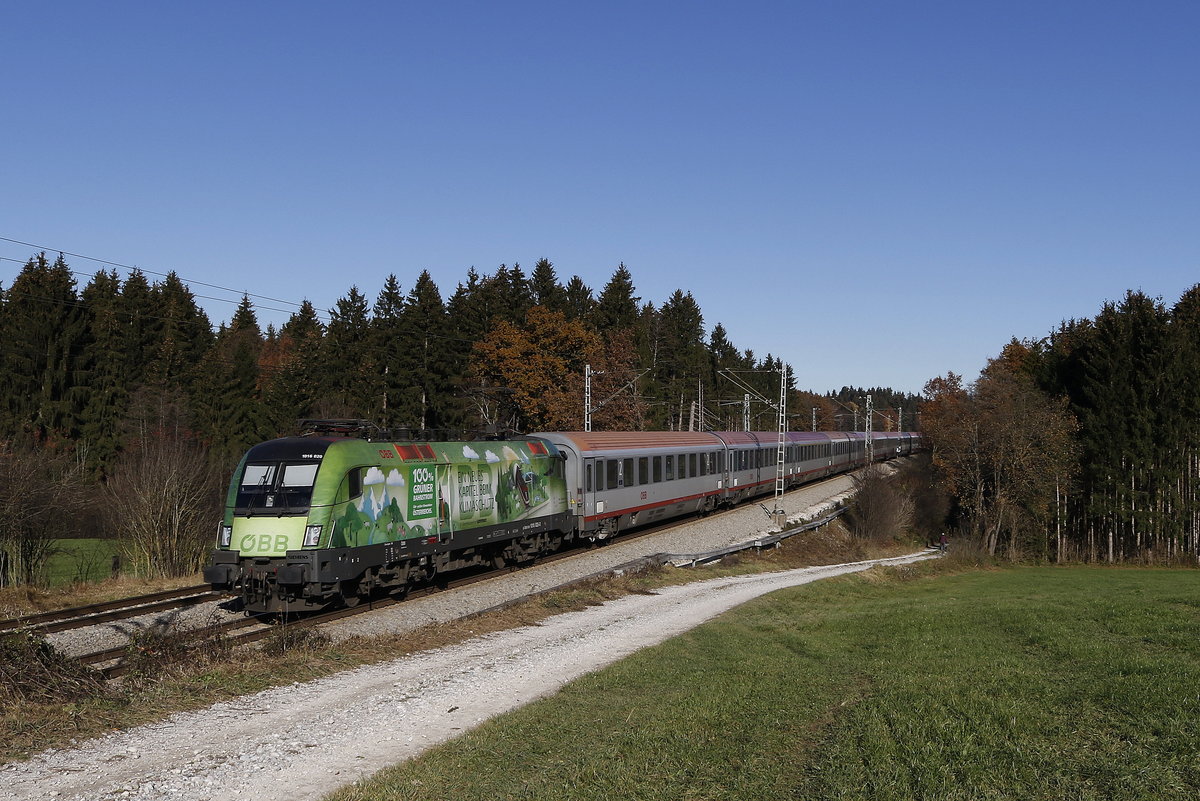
(226,535)
(312,535)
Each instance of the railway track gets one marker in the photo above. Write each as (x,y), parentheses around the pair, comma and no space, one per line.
(115,662)
(121,609)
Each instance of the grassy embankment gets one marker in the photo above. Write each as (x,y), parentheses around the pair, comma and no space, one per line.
(1031,683)
(48,701)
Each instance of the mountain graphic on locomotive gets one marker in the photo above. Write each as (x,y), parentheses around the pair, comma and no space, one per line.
(331,518)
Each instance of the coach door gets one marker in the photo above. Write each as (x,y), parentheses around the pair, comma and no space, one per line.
(445,515)
(591,476)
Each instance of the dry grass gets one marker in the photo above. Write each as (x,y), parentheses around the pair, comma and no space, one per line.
(24,600)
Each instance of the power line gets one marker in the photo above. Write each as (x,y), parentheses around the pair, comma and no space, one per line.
(80,303)
(323,316)
(189,281)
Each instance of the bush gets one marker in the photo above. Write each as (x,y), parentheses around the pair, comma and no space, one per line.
(31,671)
(880,511)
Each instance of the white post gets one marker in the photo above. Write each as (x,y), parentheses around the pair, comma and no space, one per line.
(870,442)
(587,397)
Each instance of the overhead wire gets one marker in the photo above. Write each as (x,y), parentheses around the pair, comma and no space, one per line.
(188,281)
(325,317)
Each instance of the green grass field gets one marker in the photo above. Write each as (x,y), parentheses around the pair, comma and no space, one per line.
(1030,683)
(80,560)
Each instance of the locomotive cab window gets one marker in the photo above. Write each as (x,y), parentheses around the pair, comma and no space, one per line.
(276,487)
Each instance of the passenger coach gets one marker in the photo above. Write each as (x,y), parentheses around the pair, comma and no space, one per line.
(621,479)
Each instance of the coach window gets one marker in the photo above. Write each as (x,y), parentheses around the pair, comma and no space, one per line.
(627,478)
(670,468)
(681,463)
(692,465)
(614,473)
(657,469)
(643,470)
(704,464)
(588,482)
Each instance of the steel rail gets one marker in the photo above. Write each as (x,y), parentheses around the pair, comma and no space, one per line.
(79,616)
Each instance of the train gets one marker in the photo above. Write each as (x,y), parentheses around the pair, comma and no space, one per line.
(335,516)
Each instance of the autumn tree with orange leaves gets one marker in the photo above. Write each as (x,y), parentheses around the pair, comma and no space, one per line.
(531,377)
(1005,450)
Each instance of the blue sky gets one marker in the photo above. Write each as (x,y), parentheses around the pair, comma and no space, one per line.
(878,192)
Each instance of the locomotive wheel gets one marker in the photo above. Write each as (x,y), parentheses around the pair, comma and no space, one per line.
(350,596)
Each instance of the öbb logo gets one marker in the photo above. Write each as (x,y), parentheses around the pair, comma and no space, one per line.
(264,542)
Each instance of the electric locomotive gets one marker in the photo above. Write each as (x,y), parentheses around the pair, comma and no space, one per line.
(316,520)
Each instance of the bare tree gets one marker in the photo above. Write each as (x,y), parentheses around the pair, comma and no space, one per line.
(881,511)
(165,498)
(42,495)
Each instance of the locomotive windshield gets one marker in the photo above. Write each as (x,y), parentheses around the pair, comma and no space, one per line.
(276,487)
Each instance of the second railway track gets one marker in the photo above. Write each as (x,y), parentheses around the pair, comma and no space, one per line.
(108,611)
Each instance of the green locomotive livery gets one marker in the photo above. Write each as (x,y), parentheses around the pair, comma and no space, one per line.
(314,520)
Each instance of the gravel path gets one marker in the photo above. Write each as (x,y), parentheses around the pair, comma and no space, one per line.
(303,741)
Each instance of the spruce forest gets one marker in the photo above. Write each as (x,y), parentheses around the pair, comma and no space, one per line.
(1084,445)
(126,411)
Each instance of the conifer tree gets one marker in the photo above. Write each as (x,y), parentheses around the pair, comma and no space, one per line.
(683,358)
(292,383)
(386,346)
(578,303)
(229,395)
(515,295)
(183,335)
(142,320)
(545,289)
(43,335)
(103,372)
(423,357)
(467,318)
(346,367)
(617,307)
